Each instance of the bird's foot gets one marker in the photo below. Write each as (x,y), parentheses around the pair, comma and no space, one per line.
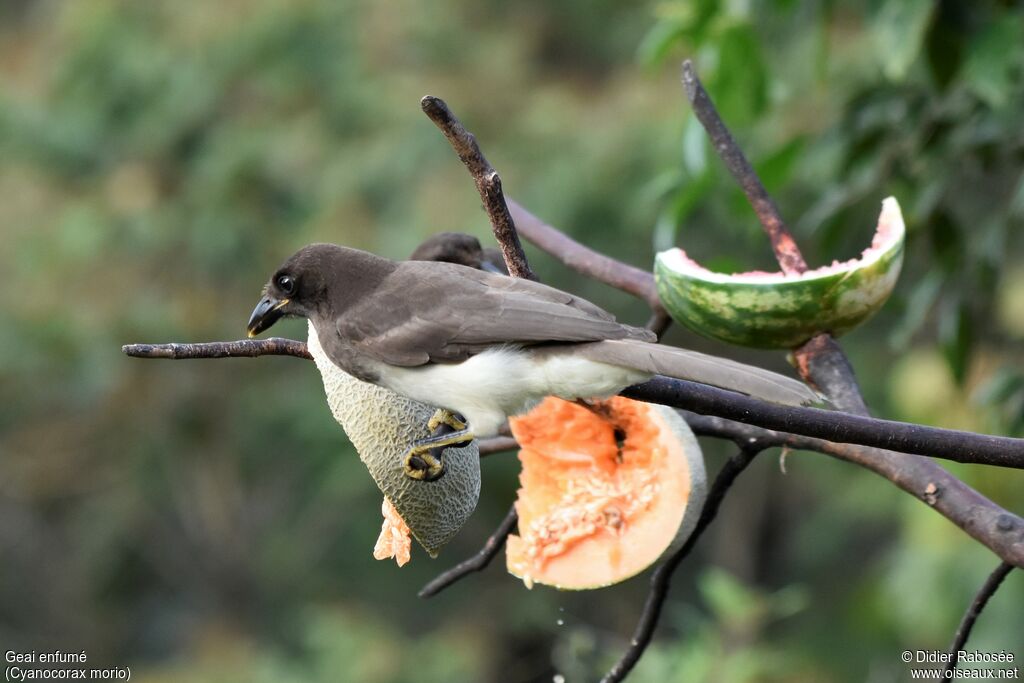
(445,417)
(424,461)
(425,465)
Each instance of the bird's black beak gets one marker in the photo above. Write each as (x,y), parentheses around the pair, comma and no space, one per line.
(267,312)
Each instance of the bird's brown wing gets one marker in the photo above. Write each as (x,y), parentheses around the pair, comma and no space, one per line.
(441,312)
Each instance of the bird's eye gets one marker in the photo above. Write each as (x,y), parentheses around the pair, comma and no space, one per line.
(286,283)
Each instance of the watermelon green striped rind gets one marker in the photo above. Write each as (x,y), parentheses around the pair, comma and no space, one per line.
(774,310)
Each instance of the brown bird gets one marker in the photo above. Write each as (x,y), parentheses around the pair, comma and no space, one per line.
(458,247)
(479,344)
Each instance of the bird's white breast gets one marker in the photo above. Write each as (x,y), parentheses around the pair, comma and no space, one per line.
(503,381)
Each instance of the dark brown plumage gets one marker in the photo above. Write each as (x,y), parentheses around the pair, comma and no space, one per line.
(505,341)
(460,248)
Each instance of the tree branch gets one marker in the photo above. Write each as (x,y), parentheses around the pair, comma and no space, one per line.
(477,562)
(963,632)
(496,444)
(662,576)
(820,361)
(998,529)
(786,251)
(487,181)
(949,444)
(243,348)
(584,260)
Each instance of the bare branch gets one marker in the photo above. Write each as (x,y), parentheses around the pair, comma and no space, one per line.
(786,251)
(658,323)
(948,444)
(491,548)
(487,181)
(243,348)
(496,444)
(662,576)
(998,529)
(823,364)
(820,361)
(963,632)
(584,260)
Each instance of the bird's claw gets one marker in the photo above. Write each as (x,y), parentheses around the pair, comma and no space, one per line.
(445,417)
(425,459)
(424,463)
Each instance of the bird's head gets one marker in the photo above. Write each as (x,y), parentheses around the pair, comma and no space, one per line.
(297,287)
(457,247)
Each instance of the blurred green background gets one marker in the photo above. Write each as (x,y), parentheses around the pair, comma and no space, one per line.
(208,521)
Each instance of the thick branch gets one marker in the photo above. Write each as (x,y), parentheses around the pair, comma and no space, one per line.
(662,576)
(1000,530)
(491,548)
(823,364)
(963,631)
(487,181)
(949,444)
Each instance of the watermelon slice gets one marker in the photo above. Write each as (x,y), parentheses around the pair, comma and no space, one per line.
(775,310)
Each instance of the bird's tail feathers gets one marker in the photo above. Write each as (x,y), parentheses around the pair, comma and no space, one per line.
(699,367)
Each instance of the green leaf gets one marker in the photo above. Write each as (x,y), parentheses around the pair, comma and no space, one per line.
(660,39)
(776,168)
(993,60)
(922,298)
(741,84)
(897,32)
(730,600)
(695,147)
(956,338)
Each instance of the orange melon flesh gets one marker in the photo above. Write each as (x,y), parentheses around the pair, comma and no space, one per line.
(591,514)
(395,540)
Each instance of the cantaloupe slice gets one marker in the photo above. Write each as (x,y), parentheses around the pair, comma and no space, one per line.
(382,426)
(602,499)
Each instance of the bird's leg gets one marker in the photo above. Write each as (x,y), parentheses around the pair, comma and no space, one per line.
(445,417)
(424,461)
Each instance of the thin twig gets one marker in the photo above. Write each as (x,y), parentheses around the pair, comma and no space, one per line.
(243,348)
(584,260)
(963,632)
(496,444)
(477,562)
(662,576)
(487,181)
(786,251)
(658,323)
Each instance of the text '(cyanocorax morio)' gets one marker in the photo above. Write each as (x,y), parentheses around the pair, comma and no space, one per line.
(480,344)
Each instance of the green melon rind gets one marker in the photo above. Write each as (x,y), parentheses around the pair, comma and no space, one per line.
(674,424)
(382,425)
(783,312)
